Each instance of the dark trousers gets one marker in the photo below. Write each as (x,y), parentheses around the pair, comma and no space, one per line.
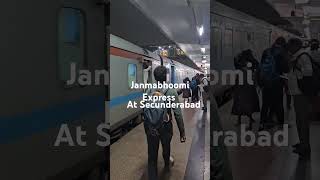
(205,98)
(289,99)
(164,136)
(272,102)
(195,94)
(302,107)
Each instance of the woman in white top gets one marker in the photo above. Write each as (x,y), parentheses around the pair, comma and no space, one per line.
(146,68)
(301,67)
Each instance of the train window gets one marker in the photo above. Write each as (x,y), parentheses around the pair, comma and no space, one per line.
(251,42)
(243,40)
(237,42)
(71,42)
(249,38)
(132,74)
(216,43)
(228,45)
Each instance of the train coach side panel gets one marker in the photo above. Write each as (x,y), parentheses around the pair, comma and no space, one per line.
(120,93)
(35,102)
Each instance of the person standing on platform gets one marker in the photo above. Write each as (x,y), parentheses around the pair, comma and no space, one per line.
(186,93)
(301,68)
(220,166)
(195,89)
(246,99)
(273,65)
(315,54)
(146,70)
(158,126)
(204,90)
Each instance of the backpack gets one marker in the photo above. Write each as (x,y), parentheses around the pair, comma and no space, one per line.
(268,68)
(155,117)
(309,85)
(193,84)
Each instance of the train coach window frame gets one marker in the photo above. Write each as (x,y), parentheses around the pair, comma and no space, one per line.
(228,45)
(129,74)
(71,42)
(217,42)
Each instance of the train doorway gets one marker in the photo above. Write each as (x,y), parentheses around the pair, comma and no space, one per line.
(173,80)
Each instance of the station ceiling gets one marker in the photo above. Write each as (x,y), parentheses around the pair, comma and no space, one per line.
(129,23)
(159,23)
(181,20)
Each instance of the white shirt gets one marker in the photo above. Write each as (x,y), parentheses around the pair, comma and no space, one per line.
(305,65)
(146,75)
(203,82)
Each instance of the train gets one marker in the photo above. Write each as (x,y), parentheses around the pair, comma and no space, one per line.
(39,42)
(232,32)
(126,62)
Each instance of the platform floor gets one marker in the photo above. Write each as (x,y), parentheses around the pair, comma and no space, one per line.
(272,163)
(128,156)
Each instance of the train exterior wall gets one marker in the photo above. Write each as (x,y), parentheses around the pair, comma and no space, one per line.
(119,113)
(120,92)
(232,32)
(36,102)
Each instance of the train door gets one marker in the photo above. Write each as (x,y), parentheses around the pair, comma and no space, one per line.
(52,36)
(81,40)
(173,74)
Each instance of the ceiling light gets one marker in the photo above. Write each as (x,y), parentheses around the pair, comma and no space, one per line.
(159,47)
(200,31)
(203,50)
(204,61)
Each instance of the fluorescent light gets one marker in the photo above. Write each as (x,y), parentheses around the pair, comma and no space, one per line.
(204,61)
(203,50)
(200,31)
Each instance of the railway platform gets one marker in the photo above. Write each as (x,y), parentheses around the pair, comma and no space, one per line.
(271,163)
(129,154)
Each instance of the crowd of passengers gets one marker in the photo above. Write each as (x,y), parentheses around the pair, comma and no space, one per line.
(287,71)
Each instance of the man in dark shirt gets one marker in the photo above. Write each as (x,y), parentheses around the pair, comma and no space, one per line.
(165,133)
(272,92)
